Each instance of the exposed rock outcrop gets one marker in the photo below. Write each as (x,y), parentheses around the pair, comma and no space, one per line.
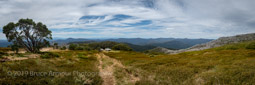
(215,43)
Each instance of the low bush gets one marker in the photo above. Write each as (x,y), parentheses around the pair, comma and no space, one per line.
(231,47)
(72,46)
(2,54)
(123,47)
(82,56)
(63,48)
(49,55)
(4,50)
(79,48)
(20,55)
(87,48)
(250,46)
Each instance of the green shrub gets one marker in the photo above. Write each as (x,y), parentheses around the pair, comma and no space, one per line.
(72,46)
(79,48)
(87,48)
(82,56)
(49,55)
(55,46)
(63,48)
(152,55)
(231,47)
(20,55)
(123,47)
(4,50)
(1,54)
(250,46)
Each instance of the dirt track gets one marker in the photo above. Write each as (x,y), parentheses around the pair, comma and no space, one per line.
(107,67)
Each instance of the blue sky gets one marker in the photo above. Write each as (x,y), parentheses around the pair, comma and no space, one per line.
(135,18)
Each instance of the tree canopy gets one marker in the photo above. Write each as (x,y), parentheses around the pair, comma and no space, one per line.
(28,34)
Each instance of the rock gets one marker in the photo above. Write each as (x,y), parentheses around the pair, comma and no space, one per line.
(217,43)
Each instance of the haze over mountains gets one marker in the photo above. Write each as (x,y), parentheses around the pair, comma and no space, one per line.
(212,44)
(139,43)
(170,43)
(174,44)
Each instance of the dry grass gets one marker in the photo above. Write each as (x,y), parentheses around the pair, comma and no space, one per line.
(69,62)
(230,64)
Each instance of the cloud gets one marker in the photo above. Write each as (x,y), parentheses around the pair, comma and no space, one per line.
(135,18)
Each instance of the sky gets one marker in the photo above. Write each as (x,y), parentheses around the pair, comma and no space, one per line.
(134,18)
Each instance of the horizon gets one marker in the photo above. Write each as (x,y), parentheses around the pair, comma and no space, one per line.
(62,38)
(57,38)
(105,19)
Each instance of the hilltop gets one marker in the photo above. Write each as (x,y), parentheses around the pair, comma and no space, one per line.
(229,64)
(215,43)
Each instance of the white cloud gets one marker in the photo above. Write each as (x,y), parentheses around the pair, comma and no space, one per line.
(174,18)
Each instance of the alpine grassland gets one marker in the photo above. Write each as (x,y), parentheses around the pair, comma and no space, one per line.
(57,67)
(231,64)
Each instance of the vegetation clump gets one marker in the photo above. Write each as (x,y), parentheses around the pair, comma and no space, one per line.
(122,47)
(73,46)
(63,48)
(49,55)
(55,46)
(2,54)
(3,51)
(99,45)
(251,46)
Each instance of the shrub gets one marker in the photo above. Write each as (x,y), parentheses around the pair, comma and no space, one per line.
(152,55)
(55,46)
(63,48)
(231,47)
(1,54)
(79,48)
(104,44)
(250,46)
(49,55)
(72,46)
(82,56)
(123,47)
(87,48)
(21,55)
(4,50)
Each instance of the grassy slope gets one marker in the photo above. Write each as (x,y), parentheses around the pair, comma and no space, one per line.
(69,61)
(229,64)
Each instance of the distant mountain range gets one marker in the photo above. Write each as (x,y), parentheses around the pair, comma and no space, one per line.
(170,43)
(140,44)
(212,44)
(180,43)
(4,43)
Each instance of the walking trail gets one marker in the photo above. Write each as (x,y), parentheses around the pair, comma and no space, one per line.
(107,68)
